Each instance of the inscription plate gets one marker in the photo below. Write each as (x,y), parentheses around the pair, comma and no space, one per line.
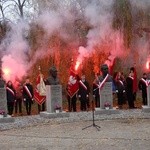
(53,97)
(106,95)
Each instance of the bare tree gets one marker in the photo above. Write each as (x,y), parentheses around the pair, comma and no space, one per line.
(14,9)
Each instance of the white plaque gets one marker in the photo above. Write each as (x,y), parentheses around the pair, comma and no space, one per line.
(53,97)
(106,95)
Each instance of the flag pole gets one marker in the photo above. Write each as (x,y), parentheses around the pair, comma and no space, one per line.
(39,68)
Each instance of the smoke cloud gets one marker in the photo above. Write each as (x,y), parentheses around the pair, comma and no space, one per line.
(16,52)
(97,13)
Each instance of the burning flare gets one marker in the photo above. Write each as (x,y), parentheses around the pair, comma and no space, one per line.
(7,73)
(77,65)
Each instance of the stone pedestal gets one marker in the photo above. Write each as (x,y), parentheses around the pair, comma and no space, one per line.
(54,115)
(53,97)
(3,100)
(106,95)
(7,119)
(99,111)
(147,108)
(3,107)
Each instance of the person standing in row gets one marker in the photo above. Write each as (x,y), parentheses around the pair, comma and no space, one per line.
(11,95)
(120,89)
(135,87)
(72,90)
(129,90)
(28,95)
(96,91)
(143,87)
(83,93)
(18,101)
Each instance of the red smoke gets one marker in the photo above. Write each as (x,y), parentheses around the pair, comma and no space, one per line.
(6,73)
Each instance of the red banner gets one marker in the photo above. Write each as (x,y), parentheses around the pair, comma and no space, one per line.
(72,89)
(40,99)
(73,85)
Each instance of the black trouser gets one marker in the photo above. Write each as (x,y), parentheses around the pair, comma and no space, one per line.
(144,100)
(83,103)
(72,103)
(69,103)
(41,107)
(120,98)
(130,97)
(97,101)
(18,104)
(134,96)
(88,102)
(28,104)
(10,107)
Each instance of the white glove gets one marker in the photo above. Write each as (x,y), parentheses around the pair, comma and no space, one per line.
(79,96)
(24,99)
(87,95)
(116,91)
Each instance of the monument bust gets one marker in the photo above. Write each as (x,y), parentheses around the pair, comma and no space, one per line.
(105,74)
(105,89)
(53,91)
(52,79)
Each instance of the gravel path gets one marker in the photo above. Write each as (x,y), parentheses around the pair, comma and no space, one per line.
(25,121)
(129,130)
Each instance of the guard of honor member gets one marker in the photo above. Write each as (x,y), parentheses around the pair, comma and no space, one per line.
(72,106)
(18,102)
(42,92)
(120,89)
(96,91)
(72,90)
(129,90)
(11,96)
(83,94)
(143,83)
(135,87)
(28,95)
